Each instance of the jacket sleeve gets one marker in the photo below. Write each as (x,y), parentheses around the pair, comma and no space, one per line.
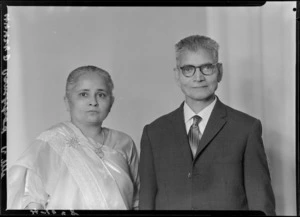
(258,187)
(148,185)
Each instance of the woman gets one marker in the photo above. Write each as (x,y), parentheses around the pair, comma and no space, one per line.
(78,164)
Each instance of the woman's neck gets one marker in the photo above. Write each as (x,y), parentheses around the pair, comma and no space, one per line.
(90,130)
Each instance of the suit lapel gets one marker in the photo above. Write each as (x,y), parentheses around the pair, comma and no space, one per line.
(181,138)
(214,125)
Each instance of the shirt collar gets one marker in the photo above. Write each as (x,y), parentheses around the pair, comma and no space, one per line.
(204,113)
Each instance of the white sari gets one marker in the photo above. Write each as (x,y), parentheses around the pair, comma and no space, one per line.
(63,170)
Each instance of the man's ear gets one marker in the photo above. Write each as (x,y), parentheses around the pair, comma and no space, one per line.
(177,76)
(220,72)
(66,100)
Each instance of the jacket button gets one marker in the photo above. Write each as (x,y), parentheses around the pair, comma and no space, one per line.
(189,175)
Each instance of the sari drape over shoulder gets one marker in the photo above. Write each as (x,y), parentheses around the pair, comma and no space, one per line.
(62,170)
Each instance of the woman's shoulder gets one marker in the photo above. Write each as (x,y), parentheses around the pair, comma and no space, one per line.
(41,148)
(119,140)
(117,135)
(52,132)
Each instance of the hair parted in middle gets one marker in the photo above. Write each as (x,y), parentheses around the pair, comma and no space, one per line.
(196,42)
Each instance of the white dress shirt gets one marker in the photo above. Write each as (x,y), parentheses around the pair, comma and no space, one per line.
(204,114)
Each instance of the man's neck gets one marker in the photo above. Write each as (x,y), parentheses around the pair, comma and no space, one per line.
(199,105)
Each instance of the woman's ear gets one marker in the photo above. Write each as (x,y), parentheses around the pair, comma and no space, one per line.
(112,101)
(66,100)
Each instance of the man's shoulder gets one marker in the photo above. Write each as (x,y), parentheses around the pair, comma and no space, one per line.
(239,116)
(164,119)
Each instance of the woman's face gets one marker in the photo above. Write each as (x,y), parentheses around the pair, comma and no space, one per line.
(89,100)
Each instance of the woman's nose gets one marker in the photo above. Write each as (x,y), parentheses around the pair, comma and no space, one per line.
(93,101)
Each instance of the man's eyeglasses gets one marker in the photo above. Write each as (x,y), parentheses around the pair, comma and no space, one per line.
(206,69)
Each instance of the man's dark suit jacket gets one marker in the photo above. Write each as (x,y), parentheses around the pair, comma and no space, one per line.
(230,170)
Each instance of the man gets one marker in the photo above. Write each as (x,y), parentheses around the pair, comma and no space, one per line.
(214,161)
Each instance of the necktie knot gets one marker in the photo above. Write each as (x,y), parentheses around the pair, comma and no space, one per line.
(196,120)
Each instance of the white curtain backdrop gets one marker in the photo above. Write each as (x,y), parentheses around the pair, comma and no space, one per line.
(259,64)
(136,45)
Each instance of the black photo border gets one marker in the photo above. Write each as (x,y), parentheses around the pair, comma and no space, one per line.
(5,55)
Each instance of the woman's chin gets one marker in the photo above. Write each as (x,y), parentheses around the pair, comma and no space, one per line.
(89,122)
(94,122)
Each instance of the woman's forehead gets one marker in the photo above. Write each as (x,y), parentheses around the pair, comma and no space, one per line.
(89,74)
(91,80)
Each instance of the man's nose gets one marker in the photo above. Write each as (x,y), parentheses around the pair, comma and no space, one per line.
(198,75)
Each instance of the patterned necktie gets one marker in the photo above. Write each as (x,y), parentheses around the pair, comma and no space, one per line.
(195,134)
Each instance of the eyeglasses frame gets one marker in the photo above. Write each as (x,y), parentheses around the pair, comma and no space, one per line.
(195,68)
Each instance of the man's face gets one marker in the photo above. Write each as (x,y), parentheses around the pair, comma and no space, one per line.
(198,87)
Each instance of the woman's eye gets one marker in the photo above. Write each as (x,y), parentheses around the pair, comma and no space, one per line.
(83,94)
(101,95)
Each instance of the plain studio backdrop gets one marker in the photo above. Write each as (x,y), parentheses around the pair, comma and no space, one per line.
(136,46)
